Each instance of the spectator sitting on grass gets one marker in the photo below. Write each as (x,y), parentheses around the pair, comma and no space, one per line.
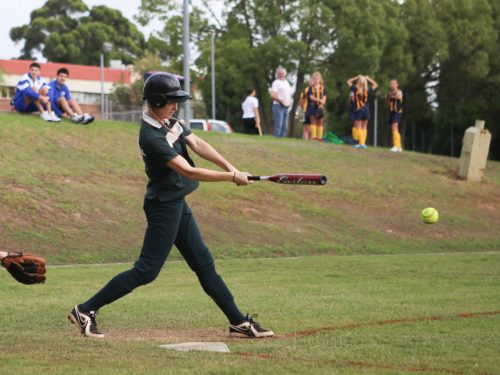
(32,95)
(62,102)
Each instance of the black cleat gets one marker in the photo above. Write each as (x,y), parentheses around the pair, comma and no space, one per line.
(250,328)
(85,321)
(87,119)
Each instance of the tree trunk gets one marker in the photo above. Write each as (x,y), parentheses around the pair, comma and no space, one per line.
(263,106)
(296,95)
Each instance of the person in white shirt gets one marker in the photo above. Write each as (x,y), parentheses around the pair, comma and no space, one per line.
(251,118)
(281,94)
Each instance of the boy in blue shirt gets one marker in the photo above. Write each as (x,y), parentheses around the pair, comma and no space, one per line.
(62,102)
(32,94)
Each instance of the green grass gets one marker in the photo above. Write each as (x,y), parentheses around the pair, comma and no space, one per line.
(388,314)
(74,194)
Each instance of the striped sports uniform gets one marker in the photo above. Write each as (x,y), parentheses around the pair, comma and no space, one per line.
(304,96)
(395,108)
(361,112)
(318,92)
(25,90)
(360,103)
(395,113)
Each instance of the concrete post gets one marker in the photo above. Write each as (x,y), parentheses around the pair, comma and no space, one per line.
(475,149)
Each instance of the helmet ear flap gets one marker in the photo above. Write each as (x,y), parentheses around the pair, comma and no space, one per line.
(157,101)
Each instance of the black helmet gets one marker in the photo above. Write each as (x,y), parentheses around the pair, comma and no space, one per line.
(161,88)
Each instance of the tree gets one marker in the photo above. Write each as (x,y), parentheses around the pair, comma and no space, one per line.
(66,31)
(428,47)
(464,75)
(168,42)
(258,37)
(131,96)
(370,40)
(491,86)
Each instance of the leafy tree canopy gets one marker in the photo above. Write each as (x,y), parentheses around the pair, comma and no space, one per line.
(67,31)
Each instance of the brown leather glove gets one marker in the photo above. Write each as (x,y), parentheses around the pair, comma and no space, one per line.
(25,268)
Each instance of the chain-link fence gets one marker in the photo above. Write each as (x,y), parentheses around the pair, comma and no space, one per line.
(130,113)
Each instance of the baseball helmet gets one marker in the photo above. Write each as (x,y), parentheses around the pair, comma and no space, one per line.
(161,88)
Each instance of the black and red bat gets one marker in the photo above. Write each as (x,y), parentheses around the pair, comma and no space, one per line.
(293,179)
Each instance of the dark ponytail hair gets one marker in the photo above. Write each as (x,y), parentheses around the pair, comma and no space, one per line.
(247,94)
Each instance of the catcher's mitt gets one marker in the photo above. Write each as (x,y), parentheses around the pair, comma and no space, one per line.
(25,268)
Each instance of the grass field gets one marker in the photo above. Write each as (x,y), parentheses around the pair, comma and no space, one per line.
(75,194)
(347,275)
(387,314)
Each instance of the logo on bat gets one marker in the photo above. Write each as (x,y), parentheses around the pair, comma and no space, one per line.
(299,180)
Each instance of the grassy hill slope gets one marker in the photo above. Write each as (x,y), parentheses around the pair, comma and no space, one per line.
(75,194)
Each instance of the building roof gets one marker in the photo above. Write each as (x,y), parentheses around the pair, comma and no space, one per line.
(80,72)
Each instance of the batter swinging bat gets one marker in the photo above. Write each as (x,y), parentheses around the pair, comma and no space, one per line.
(293,179)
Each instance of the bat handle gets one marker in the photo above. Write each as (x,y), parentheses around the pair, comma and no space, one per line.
(254,178)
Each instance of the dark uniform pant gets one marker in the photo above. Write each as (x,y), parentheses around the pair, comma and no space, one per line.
(169,223)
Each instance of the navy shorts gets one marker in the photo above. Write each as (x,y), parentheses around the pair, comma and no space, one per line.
(20,105)
(394,117)
(351,114)
(362,114)
(307,119)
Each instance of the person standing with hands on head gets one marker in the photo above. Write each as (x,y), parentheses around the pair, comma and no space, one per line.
(172,175)
(281,94)
(352,111)
(316,106)
(395,104)
(361,92)
(61,101)
(32,94)
(251,118)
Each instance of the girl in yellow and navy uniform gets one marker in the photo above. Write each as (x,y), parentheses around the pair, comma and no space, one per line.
(316,106)
(395,104)
(360,94)
(352,110)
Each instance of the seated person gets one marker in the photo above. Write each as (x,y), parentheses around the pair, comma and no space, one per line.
(62,102)
(32,95)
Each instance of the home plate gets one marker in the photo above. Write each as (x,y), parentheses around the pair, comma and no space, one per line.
(204,346)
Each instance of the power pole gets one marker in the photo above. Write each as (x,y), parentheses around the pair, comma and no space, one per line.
(185,38)
(375,132)
(212,62)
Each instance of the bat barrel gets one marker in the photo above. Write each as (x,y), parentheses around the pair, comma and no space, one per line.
(293,179)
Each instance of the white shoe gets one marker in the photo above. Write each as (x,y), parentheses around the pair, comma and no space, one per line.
(77,118)
(394,149)
(45,116)
(87,119)
(54,118)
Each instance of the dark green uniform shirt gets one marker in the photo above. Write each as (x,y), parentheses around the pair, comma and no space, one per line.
(158,145)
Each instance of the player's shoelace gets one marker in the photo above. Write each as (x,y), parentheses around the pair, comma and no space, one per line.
(93,324)
(252,321)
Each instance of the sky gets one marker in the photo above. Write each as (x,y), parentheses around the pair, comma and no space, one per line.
(17,13)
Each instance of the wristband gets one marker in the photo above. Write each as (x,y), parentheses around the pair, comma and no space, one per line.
(234,176)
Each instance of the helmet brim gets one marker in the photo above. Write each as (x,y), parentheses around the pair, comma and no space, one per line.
(178,96)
